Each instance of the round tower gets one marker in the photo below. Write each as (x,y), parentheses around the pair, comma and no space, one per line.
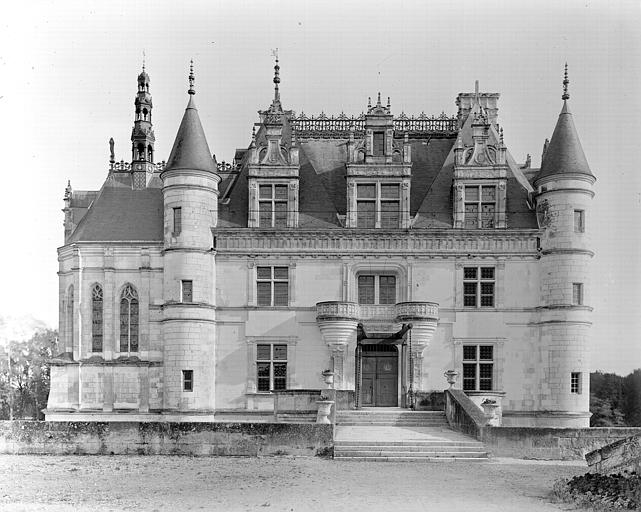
(190,197)
(564,194)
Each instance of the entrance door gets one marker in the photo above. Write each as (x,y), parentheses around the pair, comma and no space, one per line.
(380,376)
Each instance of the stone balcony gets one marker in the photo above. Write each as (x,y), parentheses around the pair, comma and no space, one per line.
(387,313)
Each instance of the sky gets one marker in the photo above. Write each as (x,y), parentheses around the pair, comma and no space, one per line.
(68,79)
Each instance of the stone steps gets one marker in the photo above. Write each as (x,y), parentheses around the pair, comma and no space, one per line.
(392,418)
(411,459)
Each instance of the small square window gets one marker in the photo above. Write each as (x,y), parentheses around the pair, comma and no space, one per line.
(186,291)
(188,380)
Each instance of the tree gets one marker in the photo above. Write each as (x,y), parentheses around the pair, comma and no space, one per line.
(24,375)
(632,398)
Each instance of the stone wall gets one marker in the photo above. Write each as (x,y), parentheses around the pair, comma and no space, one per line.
(623,455)
(198,439)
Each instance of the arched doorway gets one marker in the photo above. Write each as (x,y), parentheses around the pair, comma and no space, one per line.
(379,375)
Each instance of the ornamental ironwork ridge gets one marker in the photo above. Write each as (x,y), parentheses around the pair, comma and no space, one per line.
(123,166)
(323,126)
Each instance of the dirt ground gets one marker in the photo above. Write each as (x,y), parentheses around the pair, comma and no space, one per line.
(115,483)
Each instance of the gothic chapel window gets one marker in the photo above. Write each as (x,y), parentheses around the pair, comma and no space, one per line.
(129,320)
(96,318)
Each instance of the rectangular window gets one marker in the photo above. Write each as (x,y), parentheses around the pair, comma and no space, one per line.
(480,206)
(177,221)
(478,367)
(379,143)
(188,380)
(271,367)
(376,289)
(478,287)
(577,294)
(579,221)
(575,382)
(378,205)
(187,291)
(272,206)
(272,286)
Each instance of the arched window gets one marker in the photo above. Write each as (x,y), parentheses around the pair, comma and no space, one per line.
(150,153)
(141,151)
(70,316)
(129,319)
(96,318)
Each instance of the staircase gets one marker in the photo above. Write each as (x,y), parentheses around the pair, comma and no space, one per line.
(399,435)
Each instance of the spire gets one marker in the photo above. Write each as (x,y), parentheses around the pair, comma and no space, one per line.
(564,154)
(566,82)
(142,134)
(276,78)
(190,150)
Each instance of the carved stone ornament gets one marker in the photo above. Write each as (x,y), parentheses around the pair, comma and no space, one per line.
(543,216)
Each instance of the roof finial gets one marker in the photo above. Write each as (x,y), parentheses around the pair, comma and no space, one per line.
(566,82)
(369,102)
(276,76)
(191,77)
(389,105)
(143,61)
(378,101)
(476,91)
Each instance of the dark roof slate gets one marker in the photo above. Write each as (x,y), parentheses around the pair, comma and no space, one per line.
(119,213)
(564,154)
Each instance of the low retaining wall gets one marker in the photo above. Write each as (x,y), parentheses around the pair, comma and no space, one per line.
(551,442)
(623,455)
(143,438)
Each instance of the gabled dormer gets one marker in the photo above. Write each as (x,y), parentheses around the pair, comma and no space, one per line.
(480,171)
(273,168)
(379,171)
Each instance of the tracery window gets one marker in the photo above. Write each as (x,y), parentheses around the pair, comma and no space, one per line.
(129,319)
(96,318)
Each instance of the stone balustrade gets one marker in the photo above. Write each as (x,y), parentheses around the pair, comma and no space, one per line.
(401,312)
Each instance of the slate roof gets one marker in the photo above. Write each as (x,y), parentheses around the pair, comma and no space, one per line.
(564,153)
(190,150)
(119,213)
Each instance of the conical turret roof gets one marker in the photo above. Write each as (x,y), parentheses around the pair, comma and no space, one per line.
(564,154)
(191,150)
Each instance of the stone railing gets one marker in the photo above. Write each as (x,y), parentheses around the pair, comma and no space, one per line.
(333,310)
(323,126)
(403,311)
(123,166)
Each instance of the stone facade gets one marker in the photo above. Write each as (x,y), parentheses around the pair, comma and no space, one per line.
(201,289)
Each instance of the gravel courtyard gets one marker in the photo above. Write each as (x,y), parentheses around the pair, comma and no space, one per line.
(114,483)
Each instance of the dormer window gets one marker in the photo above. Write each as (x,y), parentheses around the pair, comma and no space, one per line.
(378,205)
(480,206)
(272,205)
(379,143)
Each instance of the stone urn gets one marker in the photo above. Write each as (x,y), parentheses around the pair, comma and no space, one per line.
(490,409)
(451,376)
(324,409)
(328,377)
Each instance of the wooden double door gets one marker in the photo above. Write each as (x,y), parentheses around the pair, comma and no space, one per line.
(380,376)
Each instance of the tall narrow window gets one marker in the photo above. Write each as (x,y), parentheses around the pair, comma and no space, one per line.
(376,289)
(579,221)
(379,143)
(271,367)
(478,287)
(272,206)
(186,292)
(188,380)
(70,309)
(478,367)
(178,221)
(129,320)
(96,318)
(575,382)
(577,294)
(378,205)
(272,286)
(480,206)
